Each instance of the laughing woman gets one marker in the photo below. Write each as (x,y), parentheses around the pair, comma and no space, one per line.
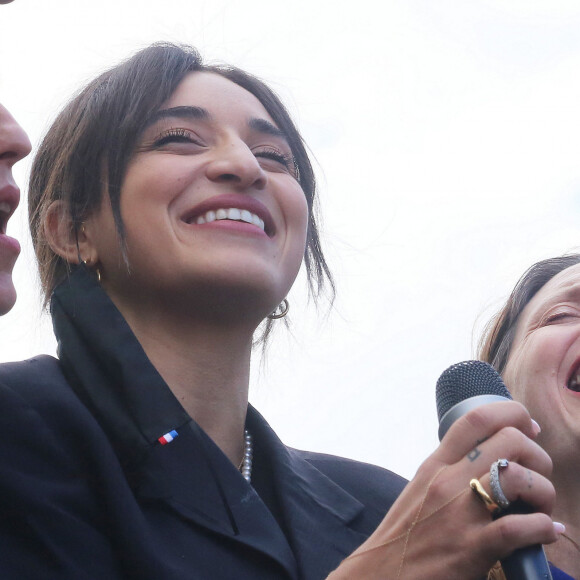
(534,343)
(171,207)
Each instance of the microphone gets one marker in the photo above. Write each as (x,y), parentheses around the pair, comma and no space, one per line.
(461,388)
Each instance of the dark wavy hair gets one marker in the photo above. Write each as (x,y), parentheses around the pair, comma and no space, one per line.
(86,151)
(498,337)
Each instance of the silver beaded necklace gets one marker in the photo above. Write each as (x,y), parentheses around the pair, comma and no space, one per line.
(245,466)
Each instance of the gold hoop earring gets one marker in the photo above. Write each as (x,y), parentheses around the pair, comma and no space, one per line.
(280,311)
(87,263)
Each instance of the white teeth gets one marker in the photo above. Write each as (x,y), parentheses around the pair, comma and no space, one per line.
(4,207)
(232,213)
(257,221)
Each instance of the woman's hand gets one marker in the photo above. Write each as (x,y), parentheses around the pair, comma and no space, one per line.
(439,528)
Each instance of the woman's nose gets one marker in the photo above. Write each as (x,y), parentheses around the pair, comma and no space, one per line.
(14,143)
(235,163)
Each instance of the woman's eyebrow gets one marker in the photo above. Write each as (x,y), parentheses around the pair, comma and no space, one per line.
(570,293)
(182,112)
(264,126)
(199,113)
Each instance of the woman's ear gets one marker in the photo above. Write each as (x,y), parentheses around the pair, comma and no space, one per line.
(73,246)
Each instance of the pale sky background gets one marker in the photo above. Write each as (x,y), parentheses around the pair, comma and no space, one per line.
(447,142)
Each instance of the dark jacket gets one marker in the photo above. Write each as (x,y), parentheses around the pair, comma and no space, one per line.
(87,490)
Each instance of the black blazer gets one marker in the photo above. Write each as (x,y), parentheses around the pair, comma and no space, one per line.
(87,492)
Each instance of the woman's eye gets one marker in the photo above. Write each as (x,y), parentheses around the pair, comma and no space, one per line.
(285,160)
(559,317)
(176,135)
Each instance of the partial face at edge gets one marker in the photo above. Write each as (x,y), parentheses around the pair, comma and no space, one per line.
(14,145)
(211,152)
(544,364)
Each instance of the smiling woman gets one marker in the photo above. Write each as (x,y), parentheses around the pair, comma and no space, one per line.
(137,122)
(210,153)
(171,206)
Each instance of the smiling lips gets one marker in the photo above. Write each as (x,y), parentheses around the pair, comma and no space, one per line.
(232,207)
(8,202)
(231,213)
(9,198)
(6,210)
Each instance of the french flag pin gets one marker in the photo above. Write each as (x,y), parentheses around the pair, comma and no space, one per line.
(168,437)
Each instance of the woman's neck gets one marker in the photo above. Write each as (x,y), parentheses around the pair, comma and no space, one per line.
(206,366)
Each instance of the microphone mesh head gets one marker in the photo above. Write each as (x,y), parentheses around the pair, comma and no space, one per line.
(464,380)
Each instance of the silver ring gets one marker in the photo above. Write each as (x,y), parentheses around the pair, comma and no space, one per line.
(496,491)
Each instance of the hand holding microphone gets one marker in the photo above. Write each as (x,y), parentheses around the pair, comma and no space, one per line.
(461,388)
(438,527)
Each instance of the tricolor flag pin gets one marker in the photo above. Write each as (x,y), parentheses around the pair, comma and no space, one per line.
(168,437)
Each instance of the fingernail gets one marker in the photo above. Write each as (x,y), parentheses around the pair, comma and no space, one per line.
(537,428)
(559,528)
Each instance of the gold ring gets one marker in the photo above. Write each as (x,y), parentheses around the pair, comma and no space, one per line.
(483,496)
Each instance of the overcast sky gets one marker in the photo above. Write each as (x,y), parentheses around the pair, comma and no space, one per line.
(447,144)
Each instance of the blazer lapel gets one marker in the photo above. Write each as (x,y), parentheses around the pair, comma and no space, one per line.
(319,513)
(194,478)
(317,510)
(207,489)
